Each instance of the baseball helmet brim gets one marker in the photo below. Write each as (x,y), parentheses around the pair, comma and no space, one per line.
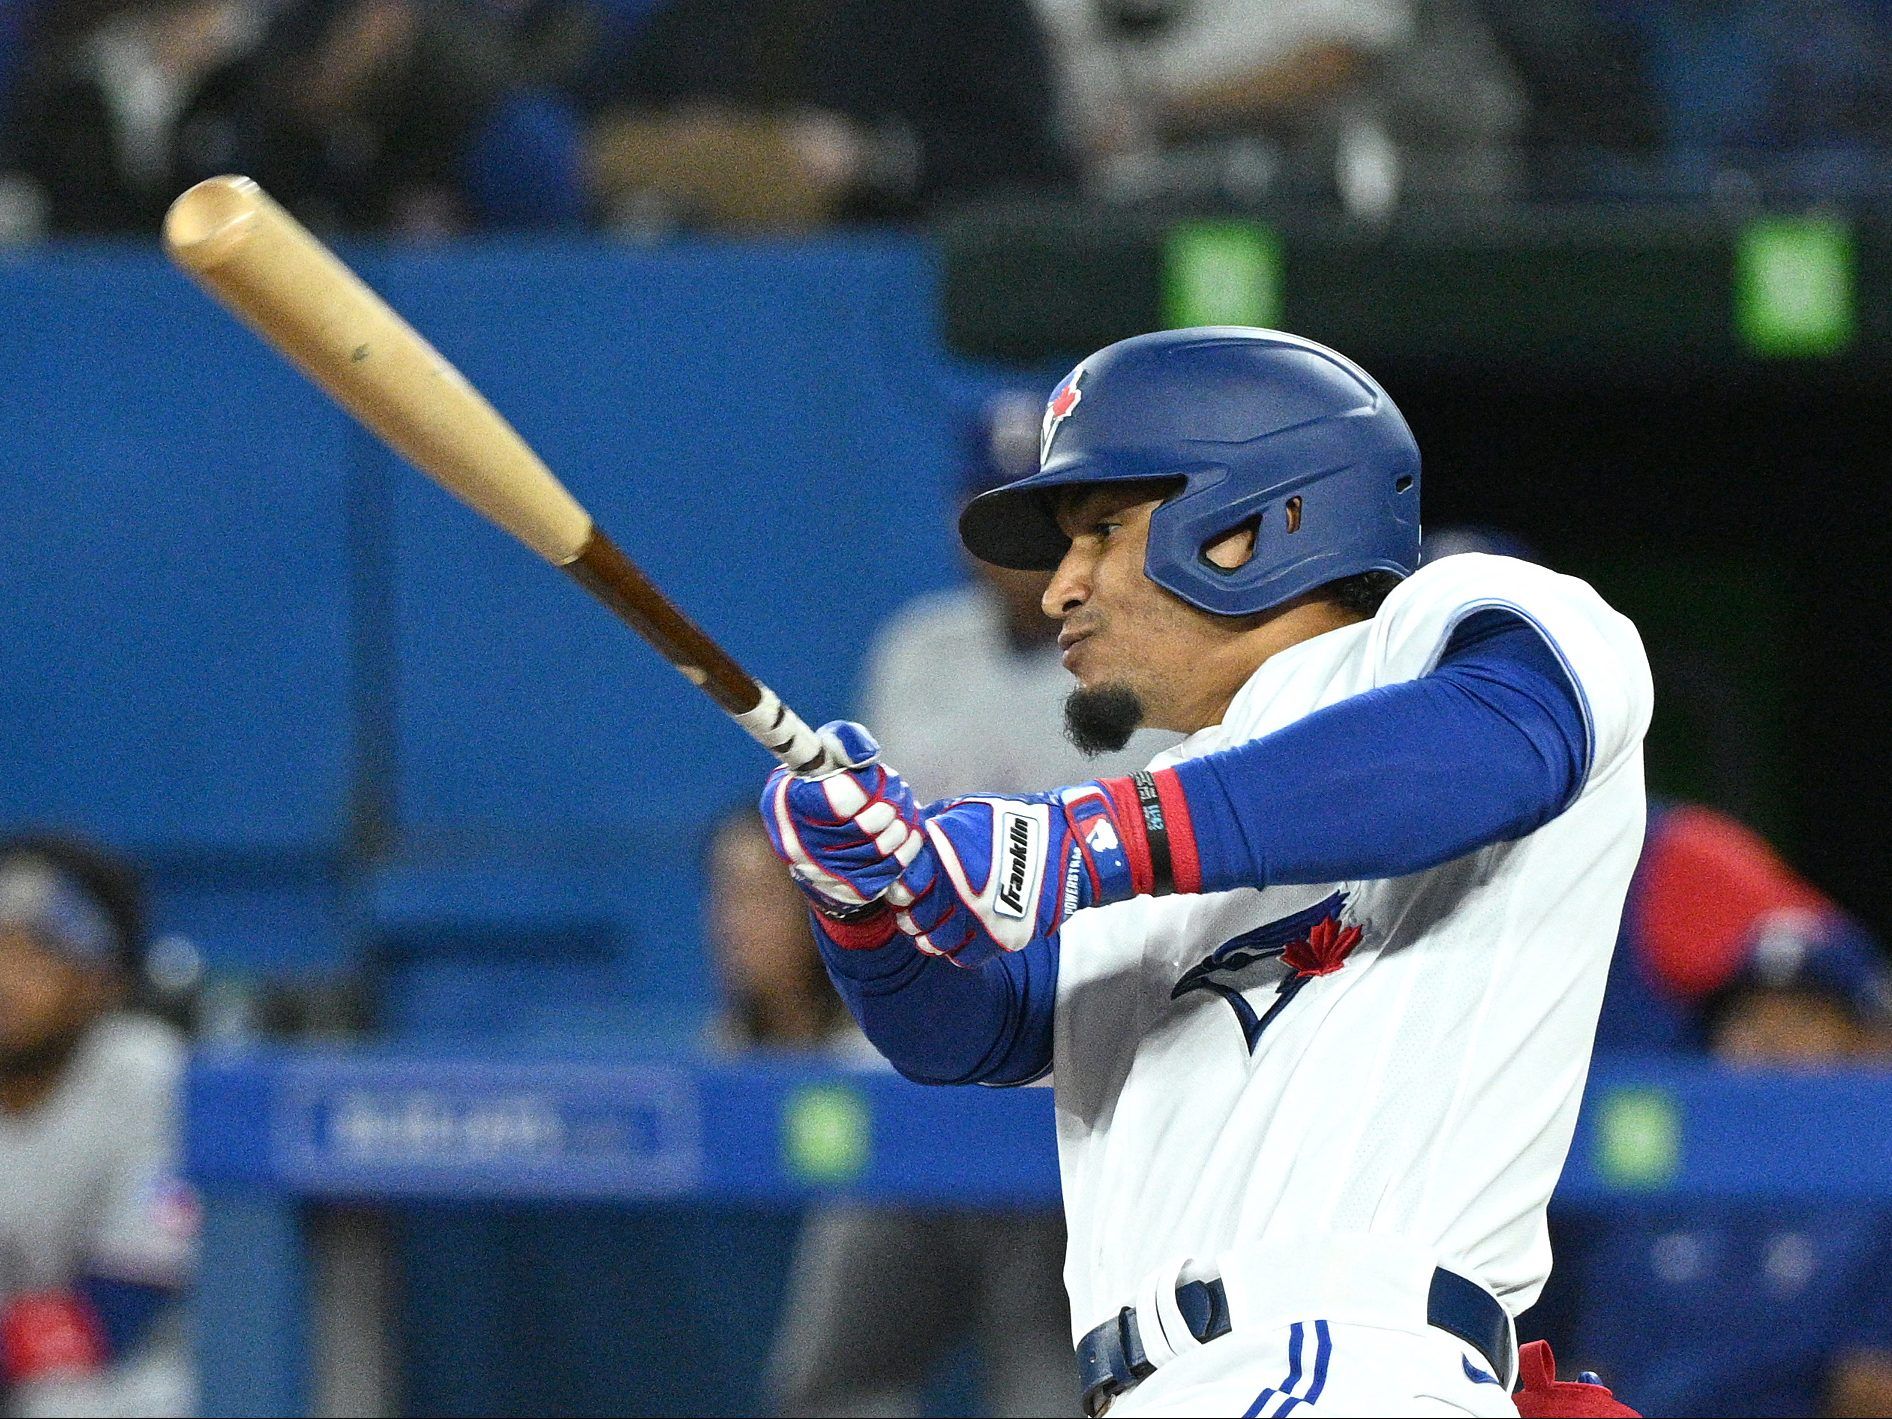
(1017,526)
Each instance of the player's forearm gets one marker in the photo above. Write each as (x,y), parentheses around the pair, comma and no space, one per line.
(937,1023)
(1308,74)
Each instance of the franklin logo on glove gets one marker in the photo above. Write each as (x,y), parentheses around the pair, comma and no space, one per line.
(1018,847)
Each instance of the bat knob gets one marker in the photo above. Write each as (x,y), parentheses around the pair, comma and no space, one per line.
(211,220)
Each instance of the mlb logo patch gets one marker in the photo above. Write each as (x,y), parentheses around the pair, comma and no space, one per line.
(1064,399)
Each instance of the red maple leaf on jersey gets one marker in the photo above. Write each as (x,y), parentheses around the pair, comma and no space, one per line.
(1323,950)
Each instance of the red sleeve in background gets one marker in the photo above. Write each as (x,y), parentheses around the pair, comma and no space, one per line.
(1704,883)
(49,1333)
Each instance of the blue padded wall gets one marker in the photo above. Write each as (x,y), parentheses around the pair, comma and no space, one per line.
(175,622)
(244,641)
(174,673)
(759,426)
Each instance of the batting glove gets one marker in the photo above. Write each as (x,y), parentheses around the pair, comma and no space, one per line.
(1001,872)
(846,838)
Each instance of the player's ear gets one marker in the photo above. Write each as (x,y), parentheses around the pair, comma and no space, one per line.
(1234,549)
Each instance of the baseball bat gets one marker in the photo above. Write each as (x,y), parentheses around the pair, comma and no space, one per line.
(268,270)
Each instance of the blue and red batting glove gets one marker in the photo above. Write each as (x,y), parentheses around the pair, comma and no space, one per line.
(846,838)
(970,877)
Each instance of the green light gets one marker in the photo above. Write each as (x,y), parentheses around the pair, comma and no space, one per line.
(1793,286)
(1639,1138)
(826,1133)
(1222,273)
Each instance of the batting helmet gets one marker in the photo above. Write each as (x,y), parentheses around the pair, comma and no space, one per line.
(1261,427)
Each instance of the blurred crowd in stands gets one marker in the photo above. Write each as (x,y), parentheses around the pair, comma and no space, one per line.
(430,117)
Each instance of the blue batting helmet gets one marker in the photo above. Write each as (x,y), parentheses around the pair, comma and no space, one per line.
(1261,427)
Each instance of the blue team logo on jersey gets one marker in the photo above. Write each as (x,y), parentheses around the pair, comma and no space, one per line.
(1315,941)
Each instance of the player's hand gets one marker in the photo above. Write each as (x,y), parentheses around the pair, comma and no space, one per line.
(1001,872)
(846,838)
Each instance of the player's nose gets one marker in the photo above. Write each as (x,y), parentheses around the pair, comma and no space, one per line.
(1069,588)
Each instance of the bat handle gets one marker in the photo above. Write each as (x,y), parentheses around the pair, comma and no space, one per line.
(786,735)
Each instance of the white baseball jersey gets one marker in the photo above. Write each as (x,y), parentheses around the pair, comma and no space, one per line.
(92,1190)
(1419,1100)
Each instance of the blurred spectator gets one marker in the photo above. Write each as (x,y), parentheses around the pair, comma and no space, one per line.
(787,114)
(1748,100)
(1752,1308)
(398,115)
(1589,124)
(418,117)
(96,1230)
(1770,97)
(102,92)
(1234,100)
(1004,651)
(877,1297)
(12,32)
(774,993)
(1705,890)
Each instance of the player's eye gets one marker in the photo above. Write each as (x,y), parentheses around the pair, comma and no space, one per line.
(1104,529)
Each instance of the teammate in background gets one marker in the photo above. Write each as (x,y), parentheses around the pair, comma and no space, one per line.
(1708,887)
(97,1233)
(774,992)
(1741,1308)
(877,1297)
(1326,976)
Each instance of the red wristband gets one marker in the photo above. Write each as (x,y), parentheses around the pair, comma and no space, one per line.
(49,1333)
(868,931)
(1185,866)
(1158,837)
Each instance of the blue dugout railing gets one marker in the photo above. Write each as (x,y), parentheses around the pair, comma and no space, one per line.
(270,1132)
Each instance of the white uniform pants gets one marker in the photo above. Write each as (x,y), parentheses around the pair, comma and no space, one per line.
(1316,1367)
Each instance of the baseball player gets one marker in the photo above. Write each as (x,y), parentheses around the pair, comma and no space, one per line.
(1318,987)
(97,1233)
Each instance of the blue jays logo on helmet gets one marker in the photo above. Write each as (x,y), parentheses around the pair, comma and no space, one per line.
(1236,428)
(1059,407)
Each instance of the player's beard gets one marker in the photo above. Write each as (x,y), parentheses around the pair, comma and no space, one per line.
(1101,719)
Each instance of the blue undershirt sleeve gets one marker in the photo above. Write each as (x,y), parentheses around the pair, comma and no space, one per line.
(126,1309)
(1490,745)
(939,1024)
